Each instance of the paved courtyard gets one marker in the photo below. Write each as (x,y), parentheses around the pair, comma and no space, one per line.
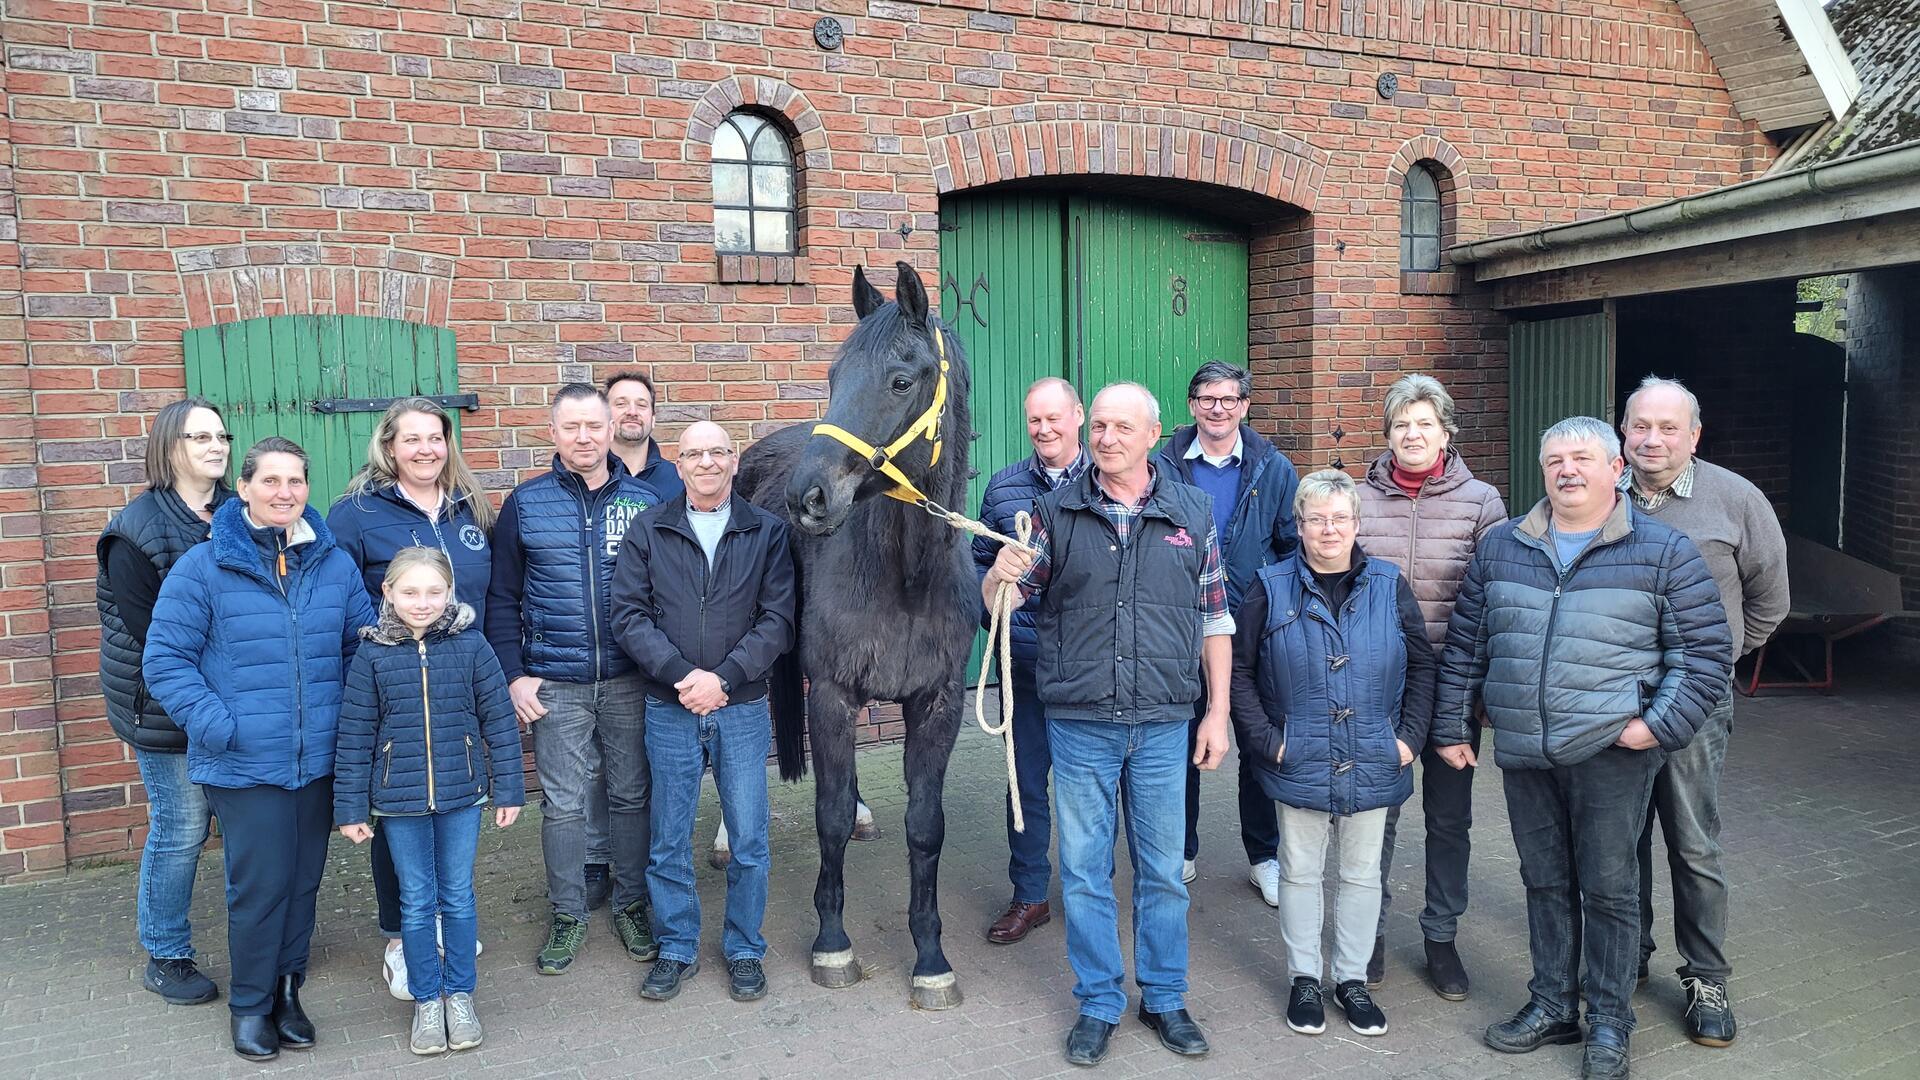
(1823,837)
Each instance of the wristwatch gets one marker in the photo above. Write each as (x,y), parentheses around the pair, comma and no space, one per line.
(725,686)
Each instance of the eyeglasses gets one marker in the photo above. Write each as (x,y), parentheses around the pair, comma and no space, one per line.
(1338,521)
(721,455)
(206,438)
(1217,402)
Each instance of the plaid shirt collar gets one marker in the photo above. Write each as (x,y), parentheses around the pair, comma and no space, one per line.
(1122,514)
(1682,487)
(1068,475)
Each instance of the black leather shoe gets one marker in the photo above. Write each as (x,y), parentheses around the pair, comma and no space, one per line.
(1709,1016)
(1178,1032)
(254,1037)
(1606,1054)
(1530,1029)
(289,1019)
(663,982)
(1445,972)
(1087,1042)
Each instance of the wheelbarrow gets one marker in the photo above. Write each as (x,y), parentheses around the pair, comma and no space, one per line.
(1831,596)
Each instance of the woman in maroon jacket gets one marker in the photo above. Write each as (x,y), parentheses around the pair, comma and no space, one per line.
(1422,509)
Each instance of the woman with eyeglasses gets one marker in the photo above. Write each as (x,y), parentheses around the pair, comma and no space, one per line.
(1424,512)
(415,491)
(1332,689)
(248,652)
(188,450)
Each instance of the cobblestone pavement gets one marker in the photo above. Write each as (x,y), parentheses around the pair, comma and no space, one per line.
(1823,840)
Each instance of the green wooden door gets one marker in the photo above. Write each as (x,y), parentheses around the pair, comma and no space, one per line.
(1556,368)
(1092,290)
(1158,292)
(320,380)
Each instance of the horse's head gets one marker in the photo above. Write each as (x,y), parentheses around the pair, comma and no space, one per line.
(896,409)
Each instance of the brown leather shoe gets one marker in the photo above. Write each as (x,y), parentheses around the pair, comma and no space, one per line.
(1019,919)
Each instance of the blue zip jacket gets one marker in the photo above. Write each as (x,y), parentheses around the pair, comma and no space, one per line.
(372,525)
(426,726)
(661,474)
(1335,688)
(250,663)
(1017,487)
(1260,531)
(549,612)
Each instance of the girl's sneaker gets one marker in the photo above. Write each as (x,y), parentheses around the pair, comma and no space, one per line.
(393,970)
(463,1024)
(429,1028)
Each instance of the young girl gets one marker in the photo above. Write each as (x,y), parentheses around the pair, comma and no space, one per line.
(427,738)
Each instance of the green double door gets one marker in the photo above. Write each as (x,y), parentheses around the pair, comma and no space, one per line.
(1091,289)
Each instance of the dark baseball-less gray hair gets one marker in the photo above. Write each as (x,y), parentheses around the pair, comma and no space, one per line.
(1654,382)
(1323,485)
(1414,389)
(1581,429)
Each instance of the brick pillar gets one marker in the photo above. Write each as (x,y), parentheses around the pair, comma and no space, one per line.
(1882,497)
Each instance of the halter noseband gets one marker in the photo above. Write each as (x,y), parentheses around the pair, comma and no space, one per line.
(926,426)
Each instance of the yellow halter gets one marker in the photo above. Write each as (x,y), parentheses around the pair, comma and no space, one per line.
(927,427)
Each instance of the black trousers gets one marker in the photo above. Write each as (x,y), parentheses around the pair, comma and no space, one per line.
(1259,821)
(275,846)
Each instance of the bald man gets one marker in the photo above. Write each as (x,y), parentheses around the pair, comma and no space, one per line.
(703,600)
(1126,568)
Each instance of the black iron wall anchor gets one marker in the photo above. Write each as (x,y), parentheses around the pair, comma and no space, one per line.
(333,406)
(1338,433)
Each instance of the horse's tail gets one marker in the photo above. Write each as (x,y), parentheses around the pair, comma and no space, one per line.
(787,701)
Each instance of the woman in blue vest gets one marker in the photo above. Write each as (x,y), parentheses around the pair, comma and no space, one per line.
(188,451)
(247,653)
(415,491)
(1332,690)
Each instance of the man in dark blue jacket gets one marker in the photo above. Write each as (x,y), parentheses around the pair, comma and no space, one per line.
(1252,485)
(1054,419)
(703,600)
(549,618)
(632,397)
(1595,636)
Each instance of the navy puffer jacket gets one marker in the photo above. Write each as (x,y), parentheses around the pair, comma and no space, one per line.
(1336,689)
(426,726)
(249,663)
(1633,628)
(1260,529)
(1013,489)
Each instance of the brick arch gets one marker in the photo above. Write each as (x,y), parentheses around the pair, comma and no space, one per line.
(246,281)
(1460,222)
(1074,138)
(763,93)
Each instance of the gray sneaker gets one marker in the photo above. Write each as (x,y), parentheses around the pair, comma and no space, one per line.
(463,1024)
(429,1028)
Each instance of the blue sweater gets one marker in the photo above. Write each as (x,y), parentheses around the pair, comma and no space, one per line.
(371,526)
(250,663)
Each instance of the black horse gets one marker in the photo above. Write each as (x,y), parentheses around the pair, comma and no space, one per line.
(888,597)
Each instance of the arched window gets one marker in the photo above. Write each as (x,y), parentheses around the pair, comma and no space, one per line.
(753,190)
(1420,221)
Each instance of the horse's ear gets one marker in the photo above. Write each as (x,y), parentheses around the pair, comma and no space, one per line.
(911,295)
(866,298)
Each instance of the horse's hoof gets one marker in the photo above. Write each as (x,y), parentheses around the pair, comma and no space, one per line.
(719,857)
(935,992)
(836,970)
(865,831)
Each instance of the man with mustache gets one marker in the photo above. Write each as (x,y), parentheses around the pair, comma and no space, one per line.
(1596,638)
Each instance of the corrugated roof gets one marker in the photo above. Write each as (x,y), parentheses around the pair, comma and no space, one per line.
(1882,38)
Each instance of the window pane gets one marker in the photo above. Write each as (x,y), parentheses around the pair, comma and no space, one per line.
(772,231)
(749,126)
(770,145)
(1426,254)
(730,184)
(1426,219)
(727,145)
(1406,253)
(772,186)
(1420,184)
(730,231)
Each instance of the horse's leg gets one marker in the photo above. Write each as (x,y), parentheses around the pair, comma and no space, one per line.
(933,722)
(830,712)
(864,828)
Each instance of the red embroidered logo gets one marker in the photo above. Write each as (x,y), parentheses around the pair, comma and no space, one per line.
(1180,539)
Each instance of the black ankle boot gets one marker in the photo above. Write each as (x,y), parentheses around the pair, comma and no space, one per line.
(289,1019)
(254,1037)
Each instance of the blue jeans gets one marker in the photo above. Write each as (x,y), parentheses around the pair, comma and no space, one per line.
(592,730)
(177,819)
(1027,864)
(1686,798)
(679,743)
(433,857)
(1100,770)
(1576,827)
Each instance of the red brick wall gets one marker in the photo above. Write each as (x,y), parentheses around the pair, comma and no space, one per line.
(1883,376)
(531,164)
